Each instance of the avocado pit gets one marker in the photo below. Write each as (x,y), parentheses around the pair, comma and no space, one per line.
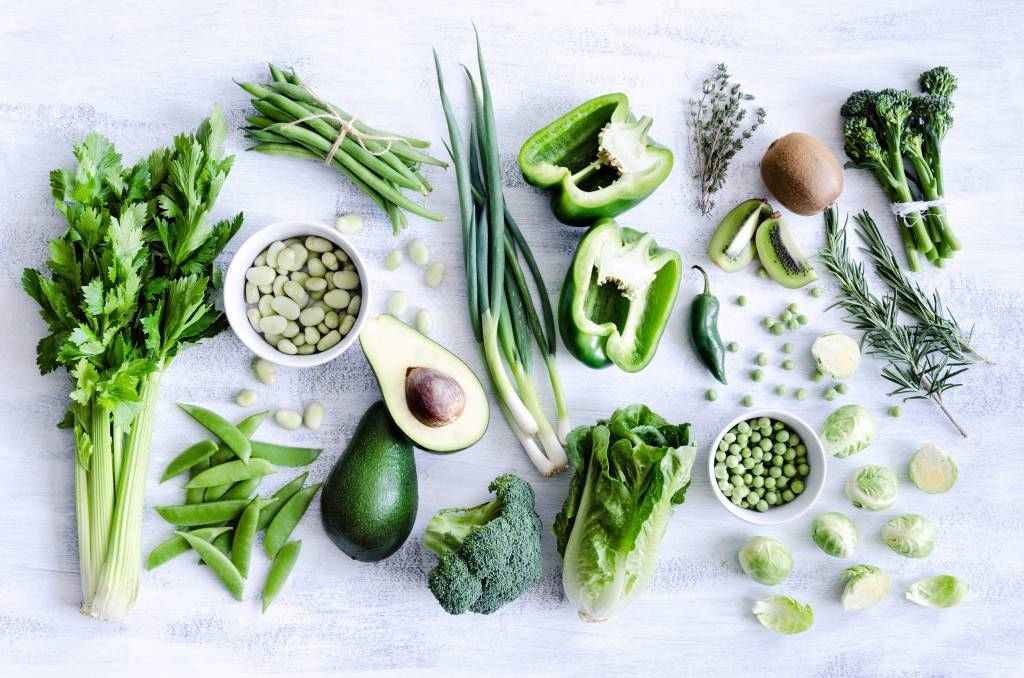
(433,397)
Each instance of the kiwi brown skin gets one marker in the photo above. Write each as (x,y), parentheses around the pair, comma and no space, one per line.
(802,173)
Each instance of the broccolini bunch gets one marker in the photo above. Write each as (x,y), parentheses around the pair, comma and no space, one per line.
(897,136)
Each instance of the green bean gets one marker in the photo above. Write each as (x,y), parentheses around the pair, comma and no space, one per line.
(208,513)
(282,455)
(282,566)
(196,496)
(243,489)
(245,535)
(189,458)
(287,518)
(222,428)
(175,546)
(232,472)
(218,562)
(280,498)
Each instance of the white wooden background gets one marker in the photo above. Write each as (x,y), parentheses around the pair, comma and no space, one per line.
(139,75)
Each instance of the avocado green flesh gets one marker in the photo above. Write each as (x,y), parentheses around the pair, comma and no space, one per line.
(368,504)
(392,349)
(781,257)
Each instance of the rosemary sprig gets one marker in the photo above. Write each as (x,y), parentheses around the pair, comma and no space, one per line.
(716,135)
(919,364)
(929,311)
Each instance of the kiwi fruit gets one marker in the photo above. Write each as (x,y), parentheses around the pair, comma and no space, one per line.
(732,244)
(781,256)
(802,173)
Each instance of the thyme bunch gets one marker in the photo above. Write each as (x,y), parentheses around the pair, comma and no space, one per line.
(717,132)
(920,364)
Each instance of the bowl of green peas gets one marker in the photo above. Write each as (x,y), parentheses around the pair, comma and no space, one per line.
(767,467)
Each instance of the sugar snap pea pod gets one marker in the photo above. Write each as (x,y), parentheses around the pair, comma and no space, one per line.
(287,518)
(175,546)
(217,492)
(280,498)
(282,566)
(197,496)
(207,513)
(222,428)
(189,458)
(218,562)
(232,472)
(282,455)
(245,535)
(243,489)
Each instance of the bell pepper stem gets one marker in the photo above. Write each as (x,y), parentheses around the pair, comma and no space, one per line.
(586,171)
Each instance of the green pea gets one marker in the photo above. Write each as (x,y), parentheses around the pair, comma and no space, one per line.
(761,359)
(218,562)
(175,546)
(741,300)
(720,456)
(769,483)
(726,488)
(894,411)
(792,308)
(797,486)
(756,375)
(748,463)
(789,455)
(831,394)
(732,347)
(779,390)
(768,457)
(777,329)
(787,347)
(781,482)
(730,437)
(816,292)
(779,448)
(746,401)
(227,432)
(755,437)
(792,323)
(774,472)
(766,444)
(794,439)
(753,497)
(287,518)
(720,471)
(778,460)
(282,566)
(840,387)
(803,469)
(189,515)
(748,479)
(801,449)
(778,426)
(789,470)
(782,436)
(758,481)
(758,469)
(745,452)
(787,364)
(743,427)
(771,497)
(757,453)
(735,448)
(282,455)
(817,375)
(762,505)
(710,395)
(732,461)
(743,439)
(723,446)
(801,319)
(767,322)
(787,496)
(280,498)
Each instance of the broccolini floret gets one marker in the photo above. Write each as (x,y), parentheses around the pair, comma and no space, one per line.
(488,555)
(939,80)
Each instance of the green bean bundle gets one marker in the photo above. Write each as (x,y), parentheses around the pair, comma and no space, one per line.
(292,120)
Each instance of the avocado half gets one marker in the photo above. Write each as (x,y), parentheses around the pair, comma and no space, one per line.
(395,351)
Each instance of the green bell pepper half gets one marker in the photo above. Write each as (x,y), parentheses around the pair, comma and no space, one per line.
(617,297)
(597,158)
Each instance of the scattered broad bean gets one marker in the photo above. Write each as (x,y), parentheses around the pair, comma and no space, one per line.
(435,274)
(288,419)
(313,415)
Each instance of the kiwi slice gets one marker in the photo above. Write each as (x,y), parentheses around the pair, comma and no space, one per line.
(731,247)
(781,256)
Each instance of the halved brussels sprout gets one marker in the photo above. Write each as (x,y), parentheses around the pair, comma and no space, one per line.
(871,487)
(932,470)
(847,431)
(943,590)
(864,586)
(783,614)
(765,560)
(835,534)
(910,535)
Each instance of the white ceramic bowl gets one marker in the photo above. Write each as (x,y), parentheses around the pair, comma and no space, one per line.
(234,292)
(814,483)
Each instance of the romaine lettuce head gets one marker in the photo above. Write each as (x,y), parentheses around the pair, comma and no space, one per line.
(629,472)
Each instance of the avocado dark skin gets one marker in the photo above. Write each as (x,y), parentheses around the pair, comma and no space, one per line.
(368,504)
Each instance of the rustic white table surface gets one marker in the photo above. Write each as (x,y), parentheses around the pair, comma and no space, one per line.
(139,75)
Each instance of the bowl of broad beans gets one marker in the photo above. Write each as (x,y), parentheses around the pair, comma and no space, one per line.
(295,293)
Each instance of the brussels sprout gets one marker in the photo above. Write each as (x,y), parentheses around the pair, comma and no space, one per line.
(782,614)
(837,355)
(932,470)
(847,431)
(835,534)
(871,487)
(765,560)
(910,535)
(943,590)
(863,586)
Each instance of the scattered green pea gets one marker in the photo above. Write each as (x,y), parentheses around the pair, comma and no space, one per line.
(756,375)
(761,359)
(732,347)
(817,375)
(787,364)
(800,394)
(840,387)
(777,329)
(787,347)
(831,394)
(710,395)
(779,390)
(894,411)
(741,300)
(747,401)
(816,292)
(801,319)
(792,308)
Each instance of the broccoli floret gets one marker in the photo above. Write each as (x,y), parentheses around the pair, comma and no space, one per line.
(488,555)
(862,147)
(858,104)
(933,114)
(939,80)
(892,111)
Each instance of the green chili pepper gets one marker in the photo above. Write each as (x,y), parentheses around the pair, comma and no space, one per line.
(598,160)
(704,330)
(617,297)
